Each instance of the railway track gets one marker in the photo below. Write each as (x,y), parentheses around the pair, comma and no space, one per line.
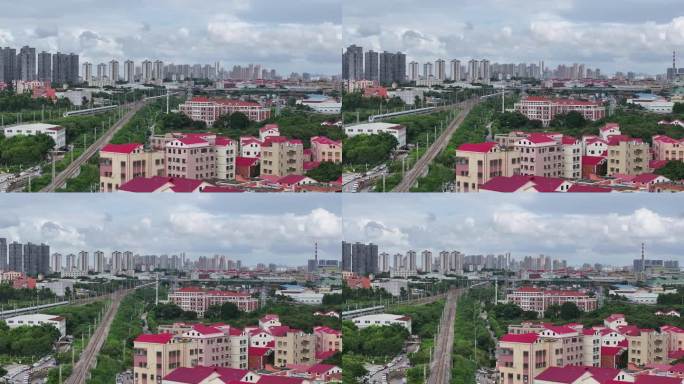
(71,169)
(421,166)
(440,366)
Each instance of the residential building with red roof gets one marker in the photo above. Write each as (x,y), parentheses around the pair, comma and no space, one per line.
(647,346)
(293,346)
(209,110)
(627,156)
(327,339)
(269,320)
(325,149)
(594,146)
(572,157)
(156,355)
(269,130)
(668,149)
(121,163)
(250,147)
(608,130)
(477,164)
(546,109)
(281,156)
(538,300)
(198,300)
(217,344)
(521,357)
(540,155)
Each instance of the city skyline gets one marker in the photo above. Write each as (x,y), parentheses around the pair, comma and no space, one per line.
(253,229)
(233,32)
(614,36)
(579,228)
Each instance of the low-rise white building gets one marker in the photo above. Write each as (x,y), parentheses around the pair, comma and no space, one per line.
(322,104)
(396,130)
(382,319)
(58,287)
(37,319)
(57,133)
(393,287)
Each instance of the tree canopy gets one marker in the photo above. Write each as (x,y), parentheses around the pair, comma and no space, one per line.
(225,311)
(25,150)
(368,149)
(326,172)
(673,170)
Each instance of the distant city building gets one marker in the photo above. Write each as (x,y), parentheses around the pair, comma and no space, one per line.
(362,259)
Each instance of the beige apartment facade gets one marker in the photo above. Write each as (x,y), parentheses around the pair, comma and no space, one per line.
(120,163)
(281,156)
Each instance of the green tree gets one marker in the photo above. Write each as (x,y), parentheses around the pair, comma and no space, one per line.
(368,149)
(552,312)
(678,108)
(569,311)
(570,120)
(326,172)
(673,170)
(225,311)
(239,120)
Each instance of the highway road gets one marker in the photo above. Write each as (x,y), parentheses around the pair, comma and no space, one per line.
(421,166)
(72,169)
(440,366)
(80,372)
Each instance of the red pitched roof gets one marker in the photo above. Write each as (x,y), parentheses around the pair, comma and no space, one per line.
(657,164)
(569,140)
(525,338)
(539,138)
(144,185)
(580,188)
(321,368)
(279,139)
(269,379)
(214,189)
(611,351)
(309,165)
(592,160)
(257,351)
(651,379)
(121,148)
(223,141)
(291,179)
(505,184)
(560,329)
(569,374)
(160,338)
(325,140)
(477,147)
(185,185)
(206,330)
(617,139)
(245,161)
(190,140)
(645,178)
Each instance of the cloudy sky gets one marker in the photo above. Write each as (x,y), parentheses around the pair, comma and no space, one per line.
(578,228)
(251,227)
(613,35)
(290,36)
